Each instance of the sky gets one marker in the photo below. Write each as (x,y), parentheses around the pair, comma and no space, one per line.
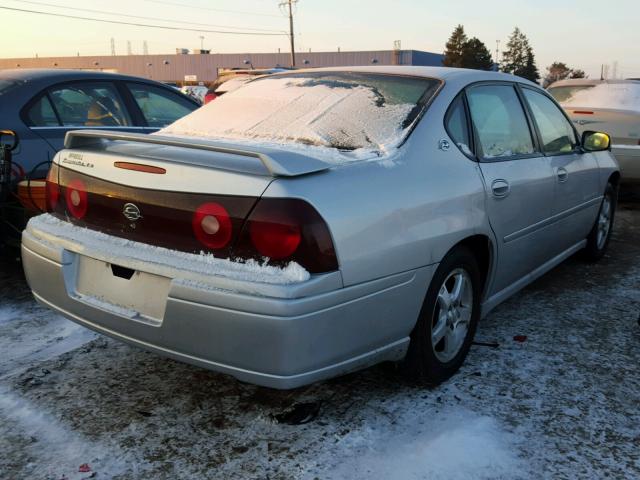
(582,33)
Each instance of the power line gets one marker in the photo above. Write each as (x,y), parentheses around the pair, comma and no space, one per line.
(143,17)
(163,27)
(214,9)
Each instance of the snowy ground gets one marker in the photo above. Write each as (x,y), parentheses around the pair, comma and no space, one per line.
(565,403)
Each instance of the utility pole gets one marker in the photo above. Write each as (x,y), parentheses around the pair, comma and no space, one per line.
(289,5)
(497,55)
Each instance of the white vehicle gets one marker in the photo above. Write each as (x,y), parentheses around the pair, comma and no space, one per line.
(611,106)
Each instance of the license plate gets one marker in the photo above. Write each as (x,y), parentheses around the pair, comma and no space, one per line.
(133,294)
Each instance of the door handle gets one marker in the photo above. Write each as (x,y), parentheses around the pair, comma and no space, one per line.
(562,174)
(500,188)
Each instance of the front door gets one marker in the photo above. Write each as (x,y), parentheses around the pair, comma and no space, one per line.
(577,198)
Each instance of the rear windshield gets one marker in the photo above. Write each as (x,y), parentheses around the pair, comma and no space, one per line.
(617,96)
(343,110)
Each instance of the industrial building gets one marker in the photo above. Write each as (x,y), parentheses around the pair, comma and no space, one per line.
(202,66)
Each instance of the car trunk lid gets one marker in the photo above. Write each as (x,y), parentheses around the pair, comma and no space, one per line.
(166,191)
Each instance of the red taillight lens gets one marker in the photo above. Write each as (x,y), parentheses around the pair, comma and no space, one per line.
(212,225)
(52,191)
(276,238)
(209,97)
(287,230)
(76,198)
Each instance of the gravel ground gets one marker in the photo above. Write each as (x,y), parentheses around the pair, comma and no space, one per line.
(563,403)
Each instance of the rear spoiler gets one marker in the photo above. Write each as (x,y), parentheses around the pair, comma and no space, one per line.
(278,163)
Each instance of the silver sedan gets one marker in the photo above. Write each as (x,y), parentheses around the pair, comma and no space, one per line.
(312,223)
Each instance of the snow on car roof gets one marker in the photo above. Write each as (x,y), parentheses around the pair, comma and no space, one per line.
(616,96)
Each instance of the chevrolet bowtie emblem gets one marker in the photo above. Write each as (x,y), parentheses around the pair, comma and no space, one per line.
(131,212)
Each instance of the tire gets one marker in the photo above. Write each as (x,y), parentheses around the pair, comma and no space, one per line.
(598,238)
(434,360)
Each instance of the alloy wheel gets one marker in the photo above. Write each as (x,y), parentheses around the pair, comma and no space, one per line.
(604,222)
(452,315)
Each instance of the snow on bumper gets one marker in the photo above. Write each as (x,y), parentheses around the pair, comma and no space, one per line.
(281,331)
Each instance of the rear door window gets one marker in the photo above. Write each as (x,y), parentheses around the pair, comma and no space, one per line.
(160,107)
(41,114)
(457,126)
(555,130)
(500,122)
(89,104)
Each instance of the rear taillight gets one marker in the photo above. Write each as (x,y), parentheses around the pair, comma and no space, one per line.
(76,198)
(212,225)
(276,238)
(52,191)
(209,97)
(288,230)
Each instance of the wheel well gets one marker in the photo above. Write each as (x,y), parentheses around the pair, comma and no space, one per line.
(614,179)
(480,246)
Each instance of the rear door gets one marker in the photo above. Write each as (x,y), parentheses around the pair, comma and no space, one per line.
(78,105)
(72,106)
(576,173)
(519,180)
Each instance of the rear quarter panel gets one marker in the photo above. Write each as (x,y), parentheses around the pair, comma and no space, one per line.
(402,213)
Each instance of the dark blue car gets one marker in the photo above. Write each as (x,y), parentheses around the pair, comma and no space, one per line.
(42,105)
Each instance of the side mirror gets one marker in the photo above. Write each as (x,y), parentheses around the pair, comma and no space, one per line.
(596,141)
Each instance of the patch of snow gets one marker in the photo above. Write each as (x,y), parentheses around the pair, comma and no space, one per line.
(30,333)
(303,110)
(618,96)
(58,451)
(120,251)
(454,445)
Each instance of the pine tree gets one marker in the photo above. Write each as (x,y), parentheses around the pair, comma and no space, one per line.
(530,71)
(476,55)
(454,48)
(519,59)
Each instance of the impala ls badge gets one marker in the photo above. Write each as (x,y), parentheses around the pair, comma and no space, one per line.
(131,212)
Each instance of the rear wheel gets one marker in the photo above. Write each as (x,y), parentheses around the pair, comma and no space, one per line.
(445,329)
(600,234)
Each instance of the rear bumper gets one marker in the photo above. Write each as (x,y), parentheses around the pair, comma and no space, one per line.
(628,157)
(279,336)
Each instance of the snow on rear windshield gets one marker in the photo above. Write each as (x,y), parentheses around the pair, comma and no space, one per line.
(618,96)
(342,110)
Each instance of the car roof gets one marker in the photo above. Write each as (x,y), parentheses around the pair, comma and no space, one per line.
(60,75)
(570,82)
(442,73)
